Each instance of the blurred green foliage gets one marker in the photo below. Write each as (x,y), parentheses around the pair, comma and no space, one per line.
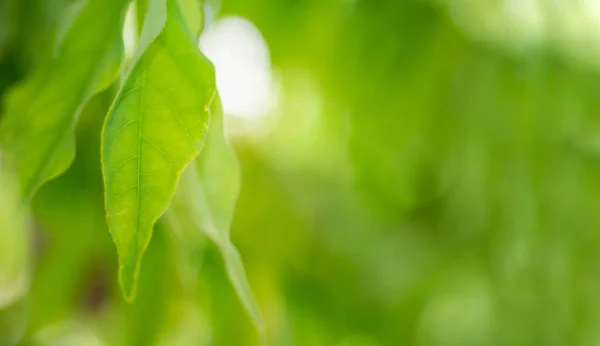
(431,177)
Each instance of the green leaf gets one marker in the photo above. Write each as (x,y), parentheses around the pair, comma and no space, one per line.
(68,16)
(6,22)
(14,236)
(193,15)
(207,197)
(155,127)
(36,133)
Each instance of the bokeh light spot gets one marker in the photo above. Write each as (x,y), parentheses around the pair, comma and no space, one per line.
(243,67)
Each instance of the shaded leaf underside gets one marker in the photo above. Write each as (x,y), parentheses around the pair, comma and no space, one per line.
(207,197)
(37,127)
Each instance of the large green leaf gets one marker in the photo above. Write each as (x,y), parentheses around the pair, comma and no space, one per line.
(206,199)
(155,127)
(36,133)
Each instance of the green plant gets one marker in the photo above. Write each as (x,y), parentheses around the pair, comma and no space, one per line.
(427,173)
(165,114)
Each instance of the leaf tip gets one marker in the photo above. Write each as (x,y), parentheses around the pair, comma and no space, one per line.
(128,278)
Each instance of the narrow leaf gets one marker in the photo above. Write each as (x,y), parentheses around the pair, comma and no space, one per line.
(207,197)
(155,127)
(36,133)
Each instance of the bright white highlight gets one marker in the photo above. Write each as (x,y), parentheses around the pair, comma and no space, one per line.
(130,31)
(243,66)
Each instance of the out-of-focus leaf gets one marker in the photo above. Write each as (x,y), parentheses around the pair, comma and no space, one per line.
(74,251)
(154,129)
(37,130)
(13,321)
(14,254)
(193,15)
(208,194)
(67,333)
(6,22)
(69,15)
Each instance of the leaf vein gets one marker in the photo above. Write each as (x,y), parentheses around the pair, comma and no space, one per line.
(152,192)
(175,112)
(161,150)
(124,126)
(122,193)
(114,169)
(139,166)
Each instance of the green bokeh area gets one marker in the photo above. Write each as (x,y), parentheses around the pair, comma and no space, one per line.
(432,178)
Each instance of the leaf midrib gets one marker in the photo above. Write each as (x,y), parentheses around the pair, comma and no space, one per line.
(139,166)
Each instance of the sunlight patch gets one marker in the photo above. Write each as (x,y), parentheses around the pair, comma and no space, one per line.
(243,66)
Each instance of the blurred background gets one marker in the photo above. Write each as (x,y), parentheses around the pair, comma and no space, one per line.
(414,173)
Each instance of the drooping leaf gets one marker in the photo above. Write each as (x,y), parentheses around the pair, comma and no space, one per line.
(207,197)
(36,133)
(72,246)
(155,127)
